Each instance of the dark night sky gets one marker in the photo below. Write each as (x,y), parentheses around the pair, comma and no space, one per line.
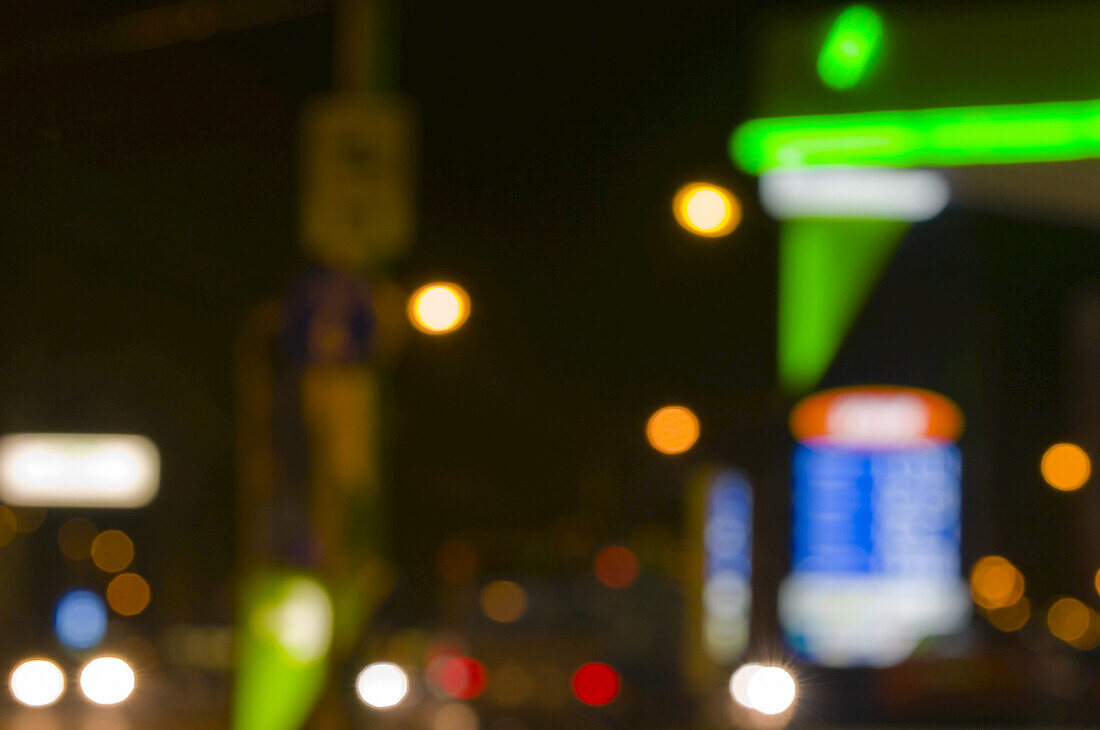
(148,200)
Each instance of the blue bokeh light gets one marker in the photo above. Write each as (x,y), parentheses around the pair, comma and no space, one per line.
(80,619)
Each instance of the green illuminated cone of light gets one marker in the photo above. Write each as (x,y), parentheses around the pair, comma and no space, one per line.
(284,633)
(827,269)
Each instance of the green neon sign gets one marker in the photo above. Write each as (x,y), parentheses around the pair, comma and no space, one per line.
(980,135)
(850,48)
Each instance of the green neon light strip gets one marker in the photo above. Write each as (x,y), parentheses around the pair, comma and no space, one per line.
(827,269)
(981,135)
(851,46)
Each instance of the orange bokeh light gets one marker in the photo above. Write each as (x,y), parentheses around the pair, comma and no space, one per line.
(672,429)
(615,566)
(1065,467)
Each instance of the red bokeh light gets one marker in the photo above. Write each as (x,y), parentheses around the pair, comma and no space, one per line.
(595,684)
(615,567)
(460,677)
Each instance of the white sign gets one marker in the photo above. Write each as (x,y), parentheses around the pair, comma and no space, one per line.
(78,470)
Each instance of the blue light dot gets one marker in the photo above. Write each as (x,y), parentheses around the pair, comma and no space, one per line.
(80,619)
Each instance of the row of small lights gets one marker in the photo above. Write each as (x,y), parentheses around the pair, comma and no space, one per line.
(766,689)
(106,680)
(385,685)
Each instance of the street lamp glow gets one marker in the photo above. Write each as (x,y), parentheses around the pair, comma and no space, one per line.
(382,685)
(439,308)
(107,680)
(706,209)
(37,683)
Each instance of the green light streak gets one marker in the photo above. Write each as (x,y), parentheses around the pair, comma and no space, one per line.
(981,135)
(850,48)
(827,269)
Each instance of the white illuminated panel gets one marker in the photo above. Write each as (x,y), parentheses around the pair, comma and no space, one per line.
(854,192)
(78,470)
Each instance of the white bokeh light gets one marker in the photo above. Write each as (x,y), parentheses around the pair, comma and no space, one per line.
(37,683)
(382,685)
(107,680)
(770,690)
(740,680)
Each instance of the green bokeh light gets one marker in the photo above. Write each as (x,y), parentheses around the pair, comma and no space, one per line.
(850,48)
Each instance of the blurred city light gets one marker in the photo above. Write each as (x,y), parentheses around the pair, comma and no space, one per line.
(1010,618)
(439,308)
(1065,467)
(739,682)
(503,601)
(37,683)
(29,519)
(874,461)
(107,680)
(770,690)
(112,551)
(1068,619)
(302,622)
(596,684)
(706,210)
(512,685)
(995,582)
(78,470)
(615,566)
(80,619)
(128,594)
(1009,133)
(850,48)
(458,676)
(727,565)
(457,561)
(382,685)
(74,538)
(672,430)
(853,192)
(455,716)
(9,525)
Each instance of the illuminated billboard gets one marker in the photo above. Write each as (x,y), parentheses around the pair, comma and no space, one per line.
(78,470)
(875,526)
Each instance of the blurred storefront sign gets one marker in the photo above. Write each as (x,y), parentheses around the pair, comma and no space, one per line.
(78,470)
(357,179)
(876,526)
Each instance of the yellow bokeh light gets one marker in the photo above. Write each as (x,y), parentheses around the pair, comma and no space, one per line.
(75,538)
(128,594)
(1069,619)
(995,582)
(706,210)
(1066,467)
(439,308)
(9,525)
(112,551)
(672,430)
(503,601)
(1010,618)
